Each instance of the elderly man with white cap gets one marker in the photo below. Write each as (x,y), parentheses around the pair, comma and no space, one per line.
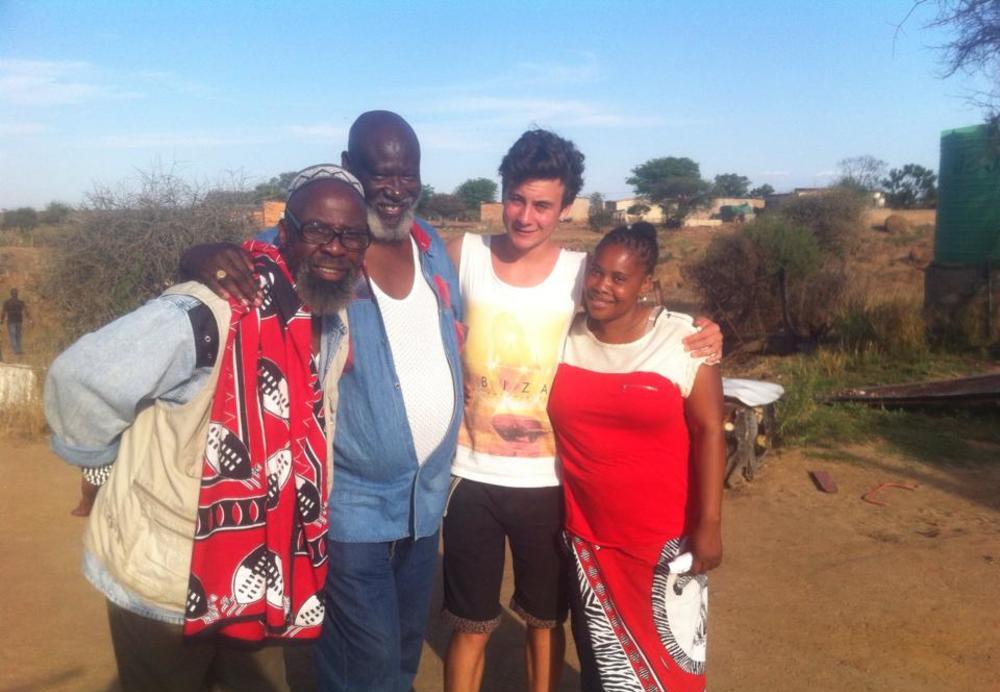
(211,421)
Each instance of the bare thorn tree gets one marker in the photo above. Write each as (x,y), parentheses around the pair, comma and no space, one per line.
(975,46)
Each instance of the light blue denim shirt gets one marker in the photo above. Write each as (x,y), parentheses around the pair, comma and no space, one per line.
(95,389)
(380,491)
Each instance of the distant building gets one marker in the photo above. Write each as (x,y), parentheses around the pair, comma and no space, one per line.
(632,209)
(722,209)
(579,212)
(268,214)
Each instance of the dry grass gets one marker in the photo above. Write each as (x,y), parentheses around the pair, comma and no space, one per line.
(886,294)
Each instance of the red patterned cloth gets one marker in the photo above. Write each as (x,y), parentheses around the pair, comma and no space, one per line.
(638,625)
(259,559)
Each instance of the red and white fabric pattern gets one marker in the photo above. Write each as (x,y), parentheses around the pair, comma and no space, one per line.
(645,626)
(259,558)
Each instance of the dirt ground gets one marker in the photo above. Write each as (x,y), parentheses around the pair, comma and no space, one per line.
(817,591)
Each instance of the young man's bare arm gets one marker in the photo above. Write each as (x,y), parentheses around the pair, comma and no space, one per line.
(706,342)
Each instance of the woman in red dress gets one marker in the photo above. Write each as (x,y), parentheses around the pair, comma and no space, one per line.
(638,425)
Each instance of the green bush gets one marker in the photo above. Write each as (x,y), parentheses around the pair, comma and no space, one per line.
(834,217)
(785,273)
(772,278)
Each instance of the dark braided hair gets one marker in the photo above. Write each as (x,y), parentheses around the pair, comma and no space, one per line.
(543,155)
(639,237)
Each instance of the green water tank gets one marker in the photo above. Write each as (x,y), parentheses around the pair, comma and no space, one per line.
(968,212)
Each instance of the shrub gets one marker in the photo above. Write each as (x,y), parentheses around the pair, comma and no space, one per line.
(834,217)
(785,274)
(772,278)
(125,246)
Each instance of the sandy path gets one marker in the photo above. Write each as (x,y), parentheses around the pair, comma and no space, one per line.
(819,592)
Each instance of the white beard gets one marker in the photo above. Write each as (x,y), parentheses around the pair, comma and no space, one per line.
(382,232)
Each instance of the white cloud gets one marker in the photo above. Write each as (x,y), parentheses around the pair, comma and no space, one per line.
(21,129)
(164,140)
(776,174)
(583,72)
(172,82)
(520,111)
(53,83)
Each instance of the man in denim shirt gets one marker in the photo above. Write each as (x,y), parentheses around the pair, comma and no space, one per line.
(397,427)
(138,393)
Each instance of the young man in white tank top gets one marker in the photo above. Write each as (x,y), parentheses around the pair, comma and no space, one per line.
(520,291)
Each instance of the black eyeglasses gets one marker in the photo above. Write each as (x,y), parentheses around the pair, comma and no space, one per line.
(316,233)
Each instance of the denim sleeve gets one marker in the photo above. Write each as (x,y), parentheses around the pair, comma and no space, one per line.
(95,389)
(268,235)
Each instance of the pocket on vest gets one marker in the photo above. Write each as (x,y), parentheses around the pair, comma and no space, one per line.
(160,558)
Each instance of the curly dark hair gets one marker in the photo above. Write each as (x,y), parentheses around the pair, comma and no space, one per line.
(543,155)
(639,237)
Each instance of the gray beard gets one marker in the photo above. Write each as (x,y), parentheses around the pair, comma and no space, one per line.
(383,232)
(324,297)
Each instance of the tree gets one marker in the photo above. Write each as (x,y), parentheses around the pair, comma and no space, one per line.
(862,173)
(975,46)
(475,191)
(598,215)
(55,212)
(731,185)
(762,191)
(790,253)
(910,186)
(22,218)
(674,183)
(276,188)
(426,194)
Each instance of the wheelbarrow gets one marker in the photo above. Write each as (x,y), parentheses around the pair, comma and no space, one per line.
(750,425)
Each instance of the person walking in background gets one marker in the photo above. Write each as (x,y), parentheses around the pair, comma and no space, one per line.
(14,312)
(638,429)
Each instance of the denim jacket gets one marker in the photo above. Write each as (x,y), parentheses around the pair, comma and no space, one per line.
(380,492)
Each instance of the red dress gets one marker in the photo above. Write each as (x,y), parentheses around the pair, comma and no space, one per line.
(618,415)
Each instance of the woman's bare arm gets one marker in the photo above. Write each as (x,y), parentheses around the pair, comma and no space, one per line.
(704,413)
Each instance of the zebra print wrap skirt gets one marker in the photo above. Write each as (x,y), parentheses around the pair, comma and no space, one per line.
(637,625)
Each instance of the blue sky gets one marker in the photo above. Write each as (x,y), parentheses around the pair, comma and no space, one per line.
(779,91)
